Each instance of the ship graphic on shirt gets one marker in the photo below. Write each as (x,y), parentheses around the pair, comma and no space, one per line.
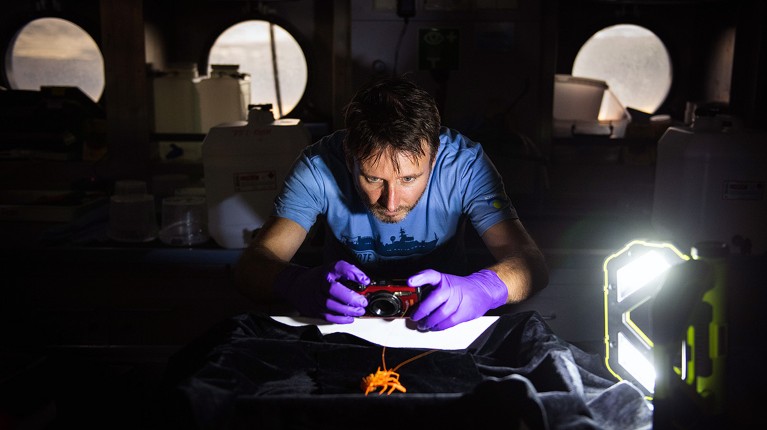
(399,246)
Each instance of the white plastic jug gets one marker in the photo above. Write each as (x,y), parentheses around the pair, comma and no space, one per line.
(709,185)
(176,105)
(224,96)
(244,166)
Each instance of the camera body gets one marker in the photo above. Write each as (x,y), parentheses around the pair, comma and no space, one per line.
(389,298)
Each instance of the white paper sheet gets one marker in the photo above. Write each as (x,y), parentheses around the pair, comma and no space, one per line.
(400,332)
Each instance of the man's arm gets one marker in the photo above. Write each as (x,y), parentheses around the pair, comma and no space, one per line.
(519,273)
(520,263)
(267,255)
(264,273)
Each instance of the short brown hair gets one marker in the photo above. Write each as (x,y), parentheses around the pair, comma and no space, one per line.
(391,114)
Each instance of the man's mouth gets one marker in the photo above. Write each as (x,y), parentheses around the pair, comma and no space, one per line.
(388,216)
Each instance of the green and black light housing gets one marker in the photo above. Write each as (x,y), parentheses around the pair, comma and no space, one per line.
(690,326)
(666,330)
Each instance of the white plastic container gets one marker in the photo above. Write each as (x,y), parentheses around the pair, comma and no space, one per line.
(176,105)
(577,98)
(184,221)
(245,164)
(132,216)
(709,185)
(224,96)
(584,106)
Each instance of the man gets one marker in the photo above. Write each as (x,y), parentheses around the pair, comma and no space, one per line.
(394,190)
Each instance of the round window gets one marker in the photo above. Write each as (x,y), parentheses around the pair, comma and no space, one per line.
(55,52)
(632,60)
(271,56)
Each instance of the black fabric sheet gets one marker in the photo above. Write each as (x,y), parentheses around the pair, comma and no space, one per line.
(254,372)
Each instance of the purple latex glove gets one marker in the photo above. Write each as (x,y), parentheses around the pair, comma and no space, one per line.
(455,299)
(317,292)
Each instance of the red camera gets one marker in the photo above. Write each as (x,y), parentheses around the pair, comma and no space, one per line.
(389,299)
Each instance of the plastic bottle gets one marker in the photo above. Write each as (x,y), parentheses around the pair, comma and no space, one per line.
(709,184)
(176,104)
(132,216)
(244,166)
(224,96)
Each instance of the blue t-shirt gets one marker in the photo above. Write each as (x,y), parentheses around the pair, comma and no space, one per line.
(464,184)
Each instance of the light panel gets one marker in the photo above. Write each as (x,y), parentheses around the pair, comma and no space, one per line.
(639,273)
(633,276)
(636,363)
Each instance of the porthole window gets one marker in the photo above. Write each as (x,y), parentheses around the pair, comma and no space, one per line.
(55,52)
(271,56)
(632,60)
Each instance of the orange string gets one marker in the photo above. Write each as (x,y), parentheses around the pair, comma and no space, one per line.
(423,354)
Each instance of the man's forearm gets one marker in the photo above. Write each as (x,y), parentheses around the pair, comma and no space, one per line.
(255,273)
(524,273)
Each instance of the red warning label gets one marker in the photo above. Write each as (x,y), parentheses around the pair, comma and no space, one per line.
(255,181)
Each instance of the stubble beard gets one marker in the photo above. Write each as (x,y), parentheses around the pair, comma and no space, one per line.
(380,213)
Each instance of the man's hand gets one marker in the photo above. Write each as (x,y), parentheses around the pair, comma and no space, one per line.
(455,299)
(319,293)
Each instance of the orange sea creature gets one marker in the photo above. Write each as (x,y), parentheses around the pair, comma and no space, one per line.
(387,378)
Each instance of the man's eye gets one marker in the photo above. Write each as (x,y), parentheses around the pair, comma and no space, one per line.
(408,179)
(372,179)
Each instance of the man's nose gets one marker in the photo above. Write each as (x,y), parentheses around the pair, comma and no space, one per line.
(390,197)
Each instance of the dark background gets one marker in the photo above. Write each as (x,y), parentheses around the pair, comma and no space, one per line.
(87,328)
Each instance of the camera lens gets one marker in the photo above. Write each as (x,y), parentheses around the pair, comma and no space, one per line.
(384,304)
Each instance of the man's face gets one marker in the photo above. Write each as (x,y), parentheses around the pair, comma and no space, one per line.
(389,193)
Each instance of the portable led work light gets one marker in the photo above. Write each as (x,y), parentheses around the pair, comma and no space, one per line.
(633,277)
(691,341)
